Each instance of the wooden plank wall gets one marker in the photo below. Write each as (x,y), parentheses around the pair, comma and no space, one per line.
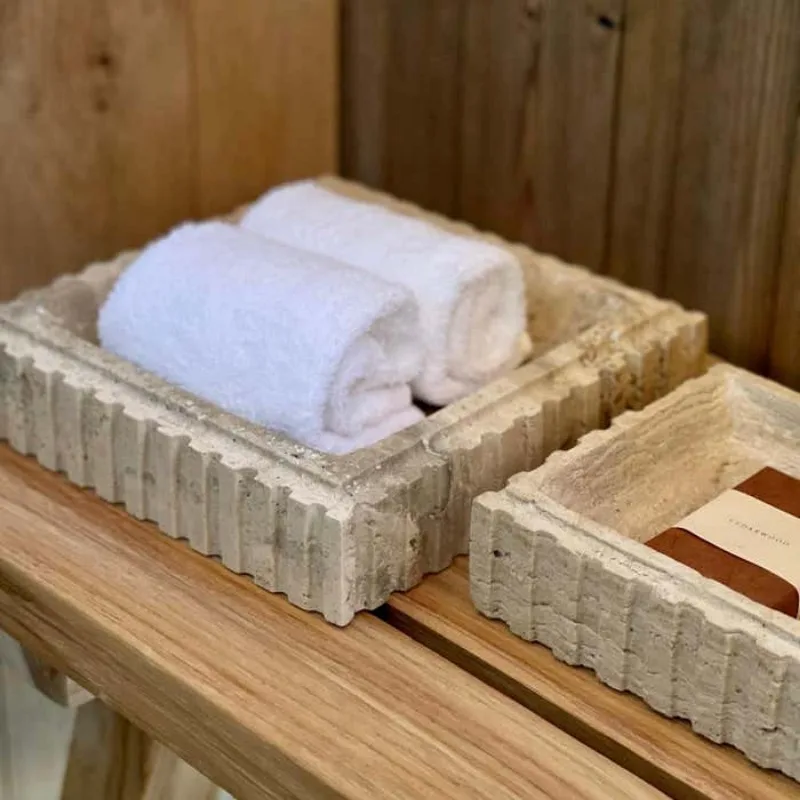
(653,141)
(117,119)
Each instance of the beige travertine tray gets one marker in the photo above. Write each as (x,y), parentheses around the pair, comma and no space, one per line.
(557,554)
(335,533)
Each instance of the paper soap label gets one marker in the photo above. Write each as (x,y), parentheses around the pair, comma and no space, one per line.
(750,529)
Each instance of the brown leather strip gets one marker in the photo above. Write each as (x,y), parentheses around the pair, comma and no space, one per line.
(770,486)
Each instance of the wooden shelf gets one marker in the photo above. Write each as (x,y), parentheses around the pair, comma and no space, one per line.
(265,699)
(664,752)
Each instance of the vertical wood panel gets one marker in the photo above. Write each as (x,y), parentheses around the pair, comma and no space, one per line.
(266,95)
(119,119)
(54,169)
(423,101)
(365,64)
(403,66)
(502,46)
(739,86)
(646,147)
(650,140)
(573,125)
(707,104)
(785,352)
(500,113)
(149,120)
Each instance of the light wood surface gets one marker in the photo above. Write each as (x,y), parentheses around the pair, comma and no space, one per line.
(665,752)
(118,120)
(266,700)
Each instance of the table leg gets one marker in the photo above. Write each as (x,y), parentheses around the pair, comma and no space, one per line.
(108,757)
(112,759)
(57,740)
(34,740)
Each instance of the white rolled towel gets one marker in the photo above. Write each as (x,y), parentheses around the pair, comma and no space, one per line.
(470,292)
(282,337)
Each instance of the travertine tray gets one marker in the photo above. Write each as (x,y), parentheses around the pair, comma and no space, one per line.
(335,533)
(558,556)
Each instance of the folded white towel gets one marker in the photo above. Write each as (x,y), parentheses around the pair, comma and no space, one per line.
(279,336)
(470,292)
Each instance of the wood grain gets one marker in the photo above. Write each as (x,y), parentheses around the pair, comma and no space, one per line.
(501,96)
(572,130)
(170,778)
(266,700)
(266,95)
(648,116)
(647,140)
(402,101)
(118,120)
(501,113)
(365,65)
(665,752)
(47,752)
(739,88)
(785,349)
(108,757)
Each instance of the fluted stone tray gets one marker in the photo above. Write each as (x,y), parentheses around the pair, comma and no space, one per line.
(335,533)
(557,554)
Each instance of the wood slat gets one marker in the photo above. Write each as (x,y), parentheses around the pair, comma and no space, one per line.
(648,140)
(785,349)
(665,752)
(55,95)
(571,112)
(402,66)
(265,699)
(648,116)
(500,113)
(118,120)
(703,159)
(266,95)
(365,65)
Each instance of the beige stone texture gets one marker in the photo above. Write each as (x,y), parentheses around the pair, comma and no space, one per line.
(336,534)
(558,555)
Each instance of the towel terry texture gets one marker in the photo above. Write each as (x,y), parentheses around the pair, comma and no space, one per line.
(285,338)
(470,292)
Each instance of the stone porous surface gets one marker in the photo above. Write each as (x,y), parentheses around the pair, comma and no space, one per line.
(336,534)
(557,554)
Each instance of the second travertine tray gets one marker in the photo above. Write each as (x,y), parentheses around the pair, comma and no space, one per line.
(335,533)
(557,554)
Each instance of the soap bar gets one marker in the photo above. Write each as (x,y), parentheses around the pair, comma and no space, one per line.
(772,487)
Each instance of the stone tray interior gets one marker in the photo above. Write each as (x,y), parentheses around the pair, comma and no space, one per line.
(335,533)
(557,555)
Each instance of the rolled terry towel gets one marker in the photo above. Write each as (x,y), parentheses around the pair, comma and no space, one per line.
(471,293)
(282,337)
